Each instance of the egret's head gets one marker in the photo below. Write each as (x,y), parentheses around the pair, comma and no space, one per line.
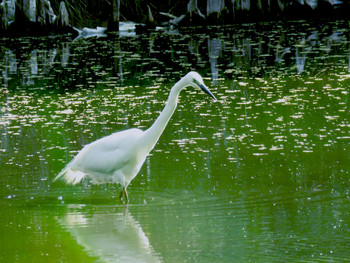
(196,81)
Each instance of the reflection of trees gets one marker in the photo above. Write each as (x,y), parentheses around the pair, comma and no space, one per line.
(215,48)
(30,64)
(240,52)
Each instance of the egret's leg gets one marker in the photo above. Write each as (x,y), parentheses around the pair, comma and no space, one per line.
(124,192)
(126,195)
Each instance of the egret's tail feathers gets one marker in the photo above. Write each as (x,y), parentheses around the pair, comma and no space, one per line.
(70,176)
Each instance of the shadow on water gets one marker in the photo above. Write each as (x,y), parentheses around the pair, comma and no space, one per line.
(261,176)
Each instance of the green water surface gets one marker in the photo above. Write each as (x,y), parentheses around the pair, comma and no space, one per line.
(262,175)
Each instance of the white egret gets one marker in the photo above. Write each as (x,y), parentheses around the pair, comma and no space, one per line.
(117,158)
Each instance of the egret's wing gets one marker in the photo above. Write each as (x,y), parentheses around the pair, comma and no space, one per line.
(103,156)
(119,140)
(109,153)
(100,160)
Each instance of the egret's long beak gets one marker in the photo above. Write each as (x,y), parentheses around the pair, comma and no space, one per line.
(206,90)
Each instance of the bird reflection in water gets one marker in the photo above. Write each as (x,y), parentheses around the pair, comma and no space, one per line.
(111,236)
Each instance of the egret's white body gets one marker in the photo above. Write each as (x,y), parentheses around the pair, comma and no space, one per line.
(117,158)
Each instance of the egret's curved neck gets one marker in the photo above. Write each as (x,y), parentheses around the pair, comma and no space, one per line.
(153,133)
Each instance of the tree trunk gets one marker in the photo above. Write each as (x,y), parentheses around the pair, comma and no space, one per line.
(62,18)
